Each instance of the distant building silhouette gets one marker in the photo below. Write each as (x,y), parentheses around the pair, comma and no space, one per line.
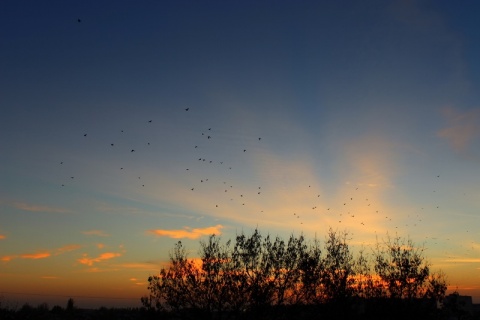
(458,306)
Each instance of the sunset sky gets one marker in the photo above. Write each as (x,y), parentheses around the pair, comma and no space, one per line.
(126,126)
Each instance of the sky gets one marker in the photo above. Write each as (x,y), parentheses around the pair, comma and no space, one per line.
(127,126)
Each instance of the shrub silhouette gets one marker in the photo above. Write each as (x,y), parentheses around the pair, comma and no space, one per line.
(262,277)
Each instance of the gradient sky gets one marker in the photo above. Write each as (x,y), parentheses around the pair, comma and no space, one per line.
(302,115)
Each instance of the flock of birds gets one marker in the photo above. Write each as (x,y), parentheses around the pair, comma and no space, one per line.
(344,211)
(357,209)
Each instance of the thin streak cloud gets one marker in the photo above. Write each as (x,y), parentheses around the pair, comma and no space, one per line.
(67,248)
(37,255)
(187,232)
(38,208)
(463,260)
(42,254)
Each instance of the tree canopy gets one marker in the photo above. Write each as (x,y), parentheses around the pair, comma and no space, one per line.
(259,275)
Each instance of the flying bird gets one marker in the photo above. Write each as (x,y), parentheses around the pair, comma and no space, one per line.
(186,109)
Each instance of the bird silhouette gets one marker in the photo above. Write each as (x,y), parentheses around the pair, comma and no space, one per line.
(186,109)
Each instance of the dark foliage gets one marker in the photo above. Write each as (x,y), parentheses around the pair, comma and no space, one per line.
(264,278)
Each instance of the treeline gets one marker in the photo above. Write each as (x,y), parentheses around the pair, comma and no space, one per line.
(264,277)
(71,312)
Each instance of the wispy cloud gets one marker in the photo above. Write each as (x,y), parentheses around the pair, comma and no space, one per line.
(98,233)
(8,258)
(140,266)
(104,256)
(38,208)
(67,248)
(464,260)
(37,255)
(42,254)
(2,236)
(188,232)
(461,129)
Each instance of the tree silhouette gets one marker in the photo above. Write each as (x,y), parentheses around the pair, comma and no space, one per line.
(262,277)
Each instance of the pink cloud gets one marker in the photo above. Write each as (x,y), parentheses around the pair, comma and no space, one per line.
(461,128)
(42,254)
(38,255)
(8,258)
(188,232)
(67,248)
(104,256)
